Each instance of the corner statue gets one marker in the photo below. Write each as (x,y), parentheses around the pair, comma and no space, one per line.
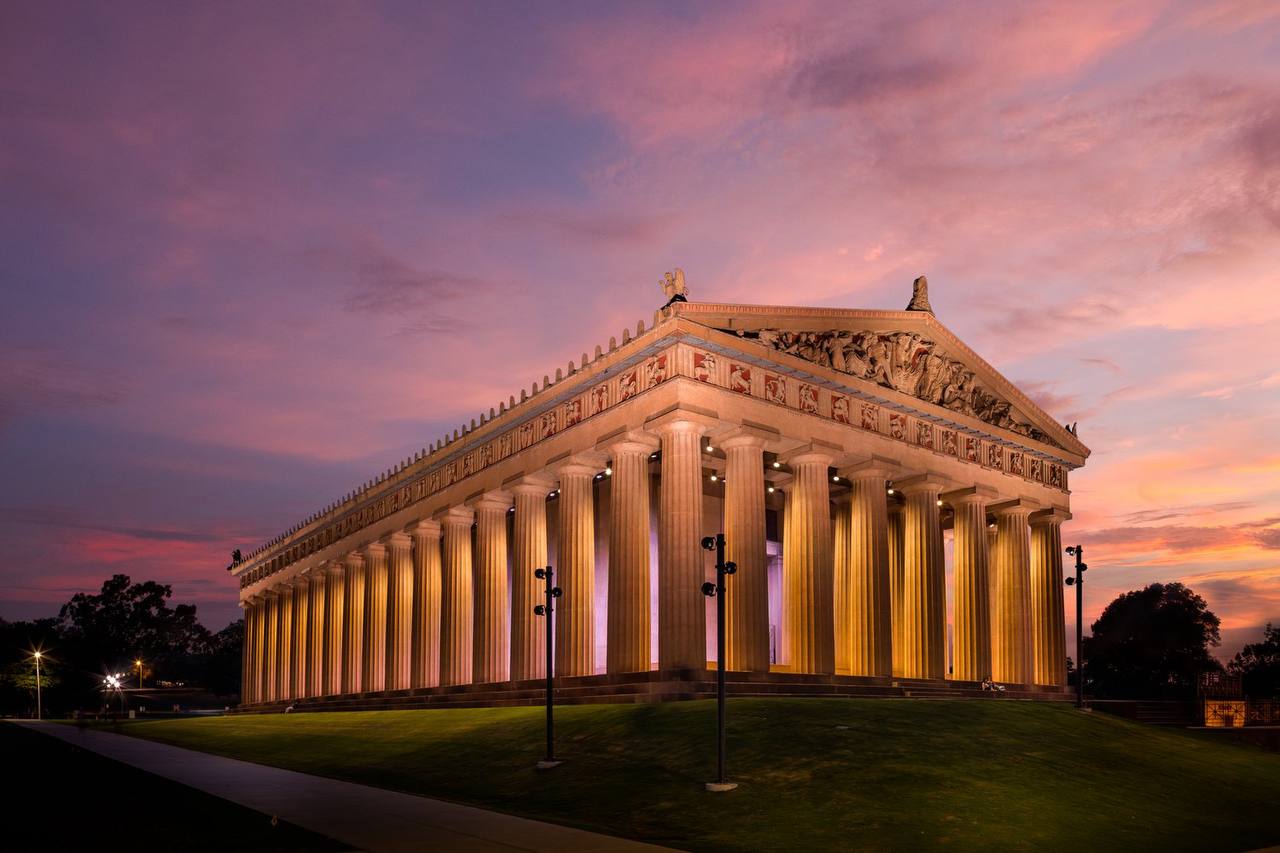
(920,296)
(673,288)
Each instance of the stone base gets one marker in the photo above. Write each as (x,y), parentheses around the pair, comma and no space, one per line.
(658,686)
(547,765)
(717,787)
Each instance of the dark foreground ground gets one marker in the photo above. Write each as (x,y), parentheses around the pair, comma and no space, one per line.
(60,797)
(815,774)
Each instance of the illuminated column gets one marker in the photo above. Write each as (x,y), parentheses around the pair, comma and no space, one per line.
(576,570)
(1011,594)
(301,615)
(249,673)
(353,626)
(1048,628)
(808,571)
(399,610)
(457,601)
(682,616)
(897,568)
(425,657)
(315,633)
(972,638)
(375,618)
(266,628)
(747,597)
(841,584)
(924,590)
(529,553)
(284,642)
(628,623)
(491,652)
(868,621)
(334,636)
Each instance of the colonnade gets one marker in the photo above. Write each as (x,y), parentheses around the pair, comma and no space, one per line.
(863,579)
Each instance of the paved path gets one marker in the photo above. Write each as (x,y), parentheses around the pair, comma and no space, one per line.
(367,818)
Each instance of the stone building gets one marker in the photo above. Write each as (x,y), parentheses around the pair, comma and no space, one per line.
(834,448)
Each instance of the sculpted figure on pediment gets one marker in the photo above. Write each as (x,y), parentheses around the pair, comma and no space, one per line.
(905,362)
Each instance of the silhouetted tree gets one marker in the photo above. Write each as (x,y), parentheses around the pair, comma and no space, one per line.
(1258,665)
(1151,643)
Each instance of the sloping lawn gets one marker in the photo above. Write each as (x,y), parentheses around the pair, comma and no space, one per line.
(814,774)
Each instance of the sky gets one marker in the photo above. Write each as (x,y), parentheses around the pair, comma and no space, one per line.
(252,254)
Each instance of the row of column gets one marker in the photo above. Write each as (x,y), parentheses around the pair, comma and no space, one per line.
(864,595)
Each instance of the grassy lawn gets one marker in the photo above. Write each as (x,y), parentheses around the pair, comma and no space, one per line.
(814,774)
(62,797)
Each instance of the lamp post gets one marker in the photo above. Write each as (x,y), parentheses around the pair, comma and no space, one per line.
(39,710)
(716,591)
(1077,551)
(138,665)
(551,592)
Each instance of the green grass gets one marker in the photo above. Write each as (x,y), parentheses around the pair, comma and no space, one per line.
(902,775)
(62,797)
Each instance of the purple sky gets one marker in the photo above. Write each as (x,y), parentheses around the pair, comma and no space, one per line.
(255,253)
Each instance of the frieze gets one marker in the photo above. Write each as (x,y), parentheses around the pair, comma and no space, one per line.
(905,362)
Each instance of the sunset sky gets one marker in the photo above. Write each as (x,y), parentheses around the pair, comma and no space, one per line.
(252,254)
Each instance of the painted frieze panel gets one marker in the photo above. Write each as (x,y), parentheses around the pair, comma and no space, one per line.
(840,408)
(995,456)
(808,398)
(949,444)
(972,449)
(924,434)
(739,378)
(1015,463)
(871,417)
(627,386)
(704,366)
(898,426)
(572,412)
(775,389)
(656,370)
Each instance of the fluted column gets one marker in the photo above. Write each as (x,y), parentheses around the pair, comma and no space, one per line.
(491,651)
(972,638)
(315,632)
(529,553)
(924,590)
(1048,628)
(301,616)
(248,674)
(1011,594)
(425,657)
(808,570)
(284,643)
(842,583)
(682,617)
(335,612)
(628,623)
(897,569)
(375,618)
(271,654)
(399,610)
(353,626)
(457,598)
(576,571)
(868,627)
(747,596)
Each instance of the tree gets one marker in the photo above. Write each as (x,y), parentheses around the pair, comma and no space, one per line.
(1151,643)
(1258,665)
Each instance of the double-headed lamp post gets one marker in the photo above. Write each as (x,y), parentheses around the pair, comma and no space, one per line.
(716,591)
(36,655)
(551,592)
(1077,551)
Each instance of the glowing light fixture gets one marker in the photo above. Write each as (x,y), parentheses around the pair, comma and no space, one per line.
(771,490)
(777,464)
(714,478)
(608,470)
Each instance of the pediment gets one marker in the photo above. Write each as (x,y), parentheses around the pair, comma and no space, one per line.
(907,352)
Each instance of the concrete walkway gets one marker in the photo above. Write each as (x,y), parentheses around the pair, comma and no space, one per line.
(367,818)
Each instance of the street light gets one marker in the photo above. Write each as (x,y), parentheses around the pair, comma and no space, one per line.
(716,591)
(36,655)
(138,665)
(1077,551)
(551,592)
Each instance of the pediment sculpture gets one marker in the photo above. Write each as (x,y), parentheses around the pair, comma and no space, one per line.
(905,362)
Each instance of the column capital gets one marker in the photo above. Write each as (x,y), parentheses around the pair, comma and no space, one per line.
(398,538)
(970,495)
(821,452)
(875,468)
(531,484)
(373,549)
(454,515)
(588,463)
(683,418)
(746,434)
(1018,506)
(354,559)
(922,483)
(496,499)
(1054,515)
(628,441)
(424,528)
(334,568)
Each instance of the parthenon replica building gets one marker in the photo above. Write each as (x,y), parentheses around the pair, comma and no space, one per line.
(834,449)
